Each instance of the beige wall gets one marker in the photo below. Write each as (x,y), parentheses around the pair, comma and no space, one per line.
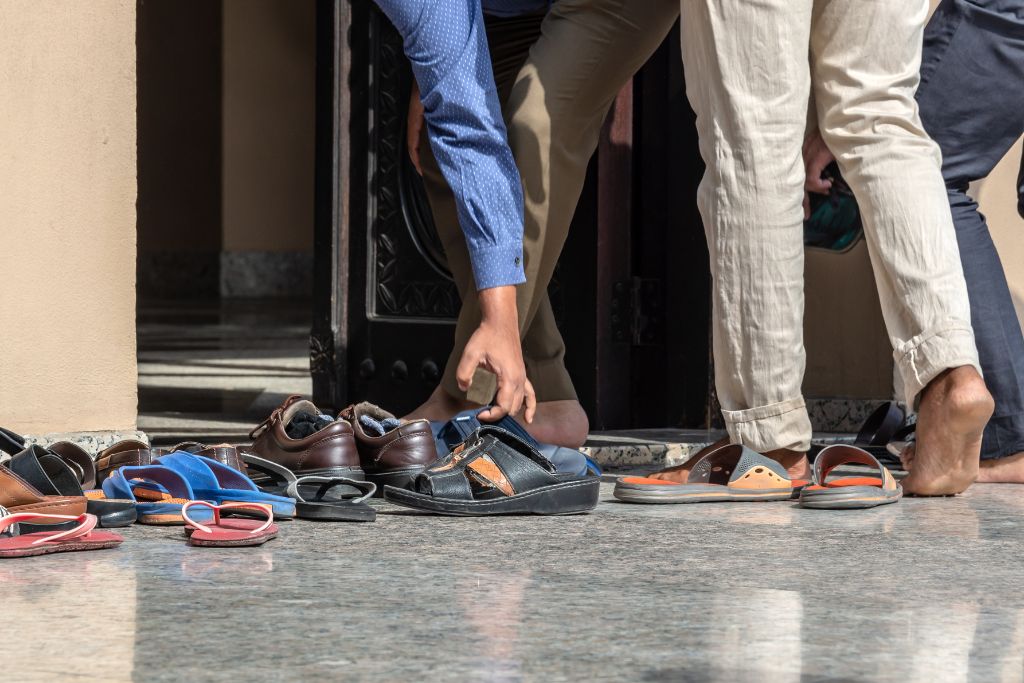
(67,214)
(268,135)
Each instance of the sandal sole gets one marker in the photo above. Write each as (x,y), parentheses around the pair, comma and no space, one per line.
(570,498)
(51,549)
(668,496)
(258,540)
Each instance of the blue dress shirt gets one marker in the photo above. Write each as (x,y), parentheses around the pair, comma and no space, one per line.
(446,42)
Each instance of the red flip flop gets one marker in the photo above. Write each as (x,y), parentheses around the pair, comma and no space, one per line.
(81,537)
(232,532)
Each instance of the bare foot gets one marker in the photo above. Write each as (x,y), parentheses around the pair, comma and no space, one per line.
(561,423)
(441,406)
(795,462)
(1008,470)
(955,407)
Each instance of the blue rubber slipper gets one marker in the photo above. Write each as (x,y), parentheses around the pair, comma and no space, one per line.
(158,493)
(219,484)
(449,434)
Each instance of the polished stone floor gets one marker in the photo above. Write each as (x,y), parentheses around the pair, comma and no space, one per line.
(922,591)
(925,590)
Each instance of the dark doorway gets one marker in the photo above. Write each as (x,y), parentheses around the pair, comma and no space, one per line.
(384,306)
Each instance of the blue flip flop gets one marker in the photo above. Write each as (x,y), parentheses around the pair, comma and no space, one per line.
(219,484)
(449,434)
(158,492)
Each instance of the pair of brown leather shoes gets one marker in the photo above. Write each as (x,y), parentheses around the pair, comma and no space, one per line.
(363,443)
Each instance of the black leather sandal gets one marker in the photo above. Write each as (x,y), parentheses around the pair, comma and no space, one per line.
(494,472)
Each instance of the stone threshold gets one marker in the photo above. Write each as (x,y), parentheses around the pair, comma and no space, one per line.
(655,449)
(623,450)
(90,442)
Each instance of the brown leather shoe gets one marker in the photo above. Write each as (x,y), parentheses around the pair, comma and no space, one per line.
(392,451)
(298,436)
(17,495)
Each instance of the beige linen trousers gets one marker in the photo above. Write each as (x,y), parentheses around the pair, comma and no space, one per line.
(557,74)
(751,67)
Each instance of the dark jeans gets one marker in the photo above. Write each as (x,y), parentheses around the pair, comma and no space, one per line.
(972,103)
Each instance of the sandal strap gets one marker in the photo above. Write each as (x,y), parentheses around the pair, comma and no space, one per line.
(278,473)
(177,486)
(326,484)
(261,507)
(491,457)
(46,471)
(733,462)
(10,529)
(881,425)
(75,457)
(842,454)
(11,443)
(86,523)
(123,453)
(225,454)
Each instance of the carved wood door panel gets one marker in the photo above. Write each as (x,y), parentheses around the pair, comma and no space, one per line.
(384,303)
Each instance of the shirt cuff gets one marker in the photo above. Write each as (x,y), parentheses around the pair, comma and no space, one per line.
(497,266)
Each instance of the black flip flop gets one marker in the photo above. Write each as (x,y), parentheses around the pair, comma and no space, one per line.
(330,499)
(319,498)
(494,472)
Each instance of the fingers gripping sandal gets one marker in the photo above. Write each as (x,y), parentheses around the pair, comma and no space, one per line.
(849,492)
(729,473)
(496,473)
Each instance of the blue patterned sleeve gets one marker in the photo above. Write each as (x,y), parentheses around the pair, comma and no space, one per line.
(446,42)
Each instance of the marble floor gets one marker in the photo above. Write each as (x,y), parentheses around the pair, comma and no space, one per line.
(920,591)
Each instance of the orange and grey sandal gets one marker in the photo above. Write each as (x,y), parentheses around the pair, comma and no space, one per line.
(731,473)
(849,493)
(81,537)
(231,532)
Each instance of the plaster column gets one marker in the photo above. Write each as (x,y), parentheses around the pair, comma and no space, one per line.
(67,216)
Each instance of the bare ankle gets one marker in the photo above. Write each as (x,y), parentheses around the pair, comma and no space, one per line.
(795,462)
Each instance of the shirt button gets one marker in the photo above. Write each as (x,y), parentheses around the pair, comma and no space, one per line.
(517,260)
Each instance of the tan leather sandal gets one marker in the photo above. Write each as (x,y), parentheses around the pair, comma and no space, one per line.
(17,495)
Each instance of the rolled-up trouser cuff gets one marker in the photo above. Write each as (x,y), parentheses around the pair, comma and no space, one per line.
(923,358)
(550,380)
(766,428)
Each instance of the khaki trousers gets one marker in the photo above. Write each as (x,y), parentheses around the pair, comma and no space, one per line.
(750,69)
(557,75)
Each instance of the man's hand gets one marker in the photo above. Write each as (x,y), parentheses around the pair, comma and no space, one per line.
(816,157)
(414,126)
(495,346)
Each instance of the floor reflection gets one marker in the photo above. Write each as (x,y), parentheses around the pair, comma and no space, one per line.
(920,592)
